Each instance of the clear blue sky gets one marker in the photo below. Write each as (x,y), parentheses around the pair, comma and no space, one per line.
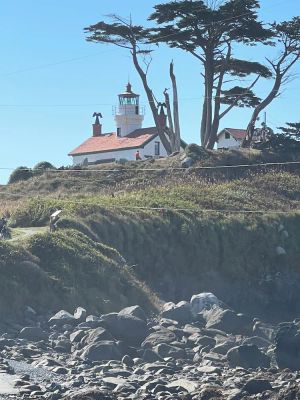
(52,80)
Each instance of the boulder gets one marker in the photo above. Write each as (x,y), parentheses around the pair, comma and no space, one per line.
(149,356)
(89,394)
(247,356)
(96,335)
(33,334)
(258,341)
(287,350)
(224,346)
(80,314)
(163,335)
(180,312)
(76,336)
(135,311)
(228,321)
(125,327)
(202,301)
(186,384)
(255,386)
(61,318)
(264,330)
(165,350)
(187,162)
(101,351)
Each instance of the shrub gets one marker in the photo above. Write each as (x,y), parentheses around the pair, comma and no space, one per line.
(43,166)
(20,174)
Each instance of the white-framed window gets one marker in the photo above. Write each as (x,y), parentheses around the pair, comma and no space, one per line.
(157,148)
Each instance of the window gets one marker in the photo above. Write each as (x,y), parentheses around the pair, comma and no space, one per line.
(118,131)
(227,135)
(157,148)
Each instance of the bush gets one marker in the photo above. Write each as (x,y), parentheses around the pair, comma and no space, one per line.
(20,174)
(43,166)
(196,152)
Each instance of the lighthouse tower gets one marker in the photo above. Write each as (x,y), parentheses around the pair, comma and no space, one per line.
(128,116)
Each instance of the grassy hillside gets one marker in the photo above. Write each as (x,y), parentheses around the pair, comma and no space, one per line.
(67,269)
(167,228)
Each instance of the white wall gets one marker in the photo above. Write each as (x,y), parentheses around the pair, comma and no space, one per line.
(231,143)
(148,150)
(127,119)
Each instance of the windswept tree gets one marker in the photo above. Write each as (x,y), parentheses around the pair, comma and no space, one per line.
(292,130)
(208,30)
(288,41)
(135,39)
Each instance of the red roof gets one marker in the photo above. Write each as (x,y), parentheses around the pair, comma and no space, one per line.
(110,142)
(236,133)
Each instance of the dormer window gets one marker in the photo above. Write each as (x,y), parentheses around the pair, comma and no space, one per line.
(227,135)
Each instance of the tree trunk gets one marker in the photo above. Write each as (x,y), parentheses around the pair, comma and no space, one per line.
(170,121)
(209,83)
(151,101)
(270,97)
(175,108)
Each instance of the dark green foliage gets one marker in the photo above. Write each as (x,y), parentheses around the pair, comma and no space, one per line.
(20,174)
(209,31)
(292,130)
(286,141)
(43,166)
(197,152)
(24,173)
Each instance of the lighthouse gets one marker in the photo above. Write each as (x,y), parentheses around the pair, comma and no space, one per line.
(128,116)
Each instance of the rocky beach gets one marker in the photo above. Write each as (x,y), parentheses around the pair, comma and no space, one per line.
(200,349)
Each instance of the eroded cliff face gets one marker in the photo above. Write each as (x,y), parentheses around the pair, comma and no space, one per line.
(250,262)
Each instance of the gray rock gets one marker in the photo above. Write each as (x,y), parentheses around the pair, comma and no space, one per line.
(162,335)
(203,301)
(287,350)
(180,312)
(224,347)
(76,336)
(97,335)
(258,341)
(204,341)
(80,314)
(135,311)
(33,334)
(61,318)
(128,361)
(131,329)
(149,356)
(63,346)
(187,162)
(166,350)
(247,356)
(101,351)
(264,330)
(92,318)
(228,321)
(255,386)
(280,251)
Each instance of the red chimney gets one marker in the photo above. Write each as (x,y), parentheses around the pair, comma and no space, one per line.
(97,127)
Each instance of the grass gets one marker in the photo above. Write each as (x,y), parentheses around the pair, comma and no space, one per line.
(64,270)
(180,248)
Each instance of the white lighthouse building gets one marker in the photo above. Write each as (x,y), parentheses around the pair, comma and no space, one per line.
(128,116)
(128,139)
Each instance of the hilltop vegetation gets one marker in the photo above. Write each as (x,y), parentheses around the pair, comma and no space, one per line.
(180,232)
